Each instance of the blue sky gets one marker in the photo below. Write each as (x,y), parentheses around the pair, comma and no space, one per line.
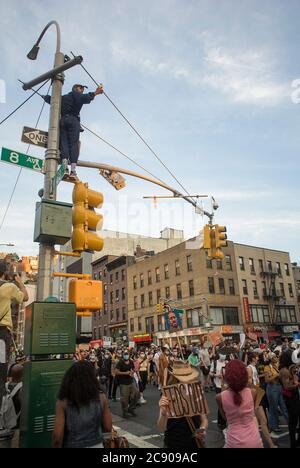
(207,83)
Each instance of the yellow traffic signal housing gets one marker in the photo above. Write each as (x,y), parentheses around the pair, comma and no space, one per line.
(87,295)
(221,237)
(160,307)
(85,220)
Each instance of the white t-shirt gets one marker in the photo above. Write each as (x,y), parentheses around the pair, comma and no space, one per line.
(219,370)
(255,379)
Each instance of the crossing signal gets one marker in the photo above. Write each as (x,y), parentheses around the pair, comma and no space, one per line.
(208,238)
(85,220)
(221,237)
(214,238)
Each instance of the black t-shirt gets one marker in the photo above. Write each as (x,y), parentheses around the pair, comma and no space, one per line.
(123,367)
(178,434)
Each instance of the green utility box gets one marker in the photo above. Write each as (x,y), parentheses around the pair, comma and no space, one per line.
(50,328)
(41,383)
(53,222)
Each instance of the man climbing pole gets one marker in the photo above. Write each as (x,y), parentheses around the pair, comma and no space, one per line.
(70,128)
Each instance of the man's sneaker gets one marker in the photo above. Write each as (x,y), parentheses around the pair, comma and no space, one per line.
(73,175)
(142,401)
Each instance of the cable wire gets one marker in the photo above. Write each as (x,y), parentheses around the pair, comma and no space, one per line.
(21,105)
(137,133)
(123,154)
(20,171)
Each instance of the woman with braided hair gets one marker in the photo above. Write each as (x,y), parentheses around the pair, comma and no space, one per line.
(237,406)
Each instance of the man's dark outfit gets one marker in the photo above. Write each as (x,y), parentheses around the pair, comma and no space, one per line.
(128,390)
(71,105)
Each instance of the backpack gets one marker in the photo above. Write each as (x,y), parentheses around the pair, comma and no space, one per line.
(8,415)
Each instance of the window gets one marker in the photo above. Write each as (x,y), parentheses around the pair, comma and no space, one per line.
(111,279)
(149,325)
(278,268)
(177,268)
(105,308)
(189,263)
(104,274)
(286,314)
(261,265)
(269,265)
(291,292)
(111,297)
(221,286)
(286,269)
(219,264)
(124,313)
(264,291)
(123,275)
(282,291)
(157,275)
(139,324)
(134,282)
(142,301)
(228,263)
(131,325)
(135,304)
(245,289)
(208,262)
(254,285)
(118,315)
(149,278)
(105,288)
(117,295)
(100,332)
(231,287)
(95,276)
(179,291)
(168,295)
(104,331)
(150,297)
(211,285)
(191,288)
(193,317)
(216,314)
(241,262)
(259,314)
(95,334)
(161,322)
(112,315)
(166,270)
(231,316)
(251,265)
(158,296)
(100,275)
(142,280)
(117,276)
(123,294)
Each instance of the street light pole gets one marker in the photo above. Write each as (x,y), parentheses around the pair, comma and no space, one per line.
(44,284)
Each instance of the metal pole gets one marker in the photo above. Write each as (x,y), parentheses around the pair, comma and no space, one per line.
(45,281)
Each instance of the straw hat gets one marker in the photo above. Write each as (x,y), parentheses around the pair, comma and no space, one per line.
(184,372)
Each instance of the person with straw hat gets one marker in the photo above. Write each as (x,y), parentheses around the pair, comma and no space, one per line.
(186,433)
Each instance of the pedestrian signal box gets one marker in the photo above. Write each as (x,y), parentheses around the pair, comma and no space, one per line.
(87,295)
(85,220)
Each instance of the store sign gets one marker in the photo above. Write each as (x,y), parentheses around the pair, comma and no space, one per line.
(290,329)
(247,309)
(186,400)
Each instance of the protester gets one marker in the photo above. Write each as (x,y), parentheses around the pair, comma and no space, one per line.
(177,431)
(129,394)
(82,411)
(217,374)
(143,374)
(237,406)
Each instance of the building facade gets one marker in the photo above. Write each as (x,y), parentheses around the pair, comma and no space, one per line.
(206,289)
(267,289)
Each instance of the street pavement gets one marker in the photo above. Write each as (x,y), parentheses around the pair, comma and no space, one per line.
(142,432)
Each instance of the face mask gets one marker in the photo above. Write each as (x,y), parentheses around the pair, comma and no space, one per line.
(126,357)
(142,356)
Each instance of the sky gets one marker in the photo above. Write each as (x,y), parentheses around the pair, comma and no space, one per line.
(211,85)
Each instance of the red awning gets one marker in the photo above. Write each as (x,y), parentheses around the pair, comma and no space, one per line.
(142,338)
(270,334)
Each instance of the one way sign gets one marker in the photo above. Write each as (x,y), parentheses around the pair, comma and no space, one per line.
(33,136)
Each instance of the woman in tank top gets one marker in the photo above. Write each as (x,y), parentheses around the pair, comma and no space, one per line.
(82,411)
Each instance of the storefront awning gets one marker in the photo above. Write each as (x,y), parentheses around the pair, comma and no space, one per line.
(142,338)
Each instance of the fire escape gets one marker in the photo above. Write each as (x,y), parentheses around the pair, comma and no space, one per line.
(270,293)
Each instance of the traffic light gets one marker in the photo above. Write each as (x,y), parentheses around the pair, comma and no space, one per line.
(85,220)
(214,238)
(220,241)
(87,295)
(160,307)
(208,235)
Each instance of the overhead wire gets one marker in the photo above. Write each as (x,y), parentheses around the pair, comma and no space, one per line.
(21,169)
(136,131)
(26,100)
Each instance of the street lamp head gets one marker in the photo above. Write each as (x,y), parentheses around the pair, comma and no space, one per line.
(32,55)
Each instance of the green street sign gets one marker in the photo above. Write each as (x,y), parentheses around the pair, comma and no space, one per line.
(59,176)
(23,160)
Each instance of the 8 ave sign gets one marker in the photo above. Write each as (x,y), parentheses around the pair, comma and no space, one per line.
(36,137)
(23,160)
